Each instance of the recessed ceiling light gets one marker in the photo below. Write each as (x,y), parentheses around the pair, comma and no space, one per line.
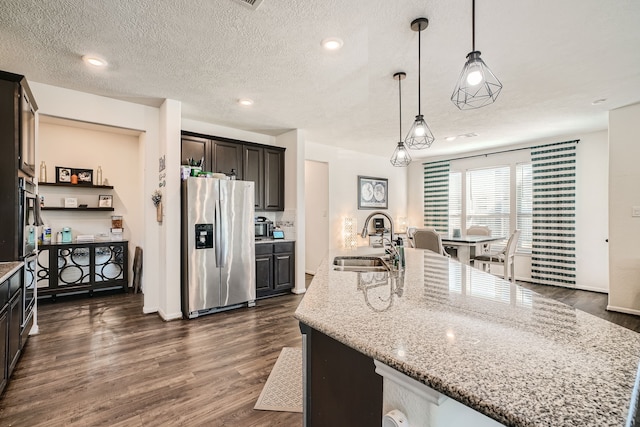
(245,101)
(450,138)
(598,101)
(94,61)
(332,43)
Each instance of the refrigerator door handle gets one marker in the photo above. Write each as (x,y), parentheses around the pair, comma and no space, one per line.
(223,247)
(218,233)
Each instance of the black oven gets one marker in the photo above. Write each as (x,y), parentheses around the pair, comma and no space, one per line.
(263,228)
(29,219)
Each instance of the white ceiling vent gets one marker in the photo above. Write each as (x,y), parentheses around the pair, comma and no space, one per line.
(251,4)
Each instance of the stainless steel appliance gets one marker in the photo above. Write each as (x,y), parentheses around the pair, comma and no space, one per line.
(218,245)
(29,221)
(263,228)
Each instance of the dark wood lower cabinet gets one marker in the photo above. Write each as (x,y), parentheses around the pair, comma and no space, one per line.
(15,320)
(342,387)
(275,268)
(4,330)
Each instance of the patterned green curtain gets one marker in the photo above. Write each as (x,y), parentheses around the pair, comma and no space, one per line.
(436,195)
(553,259)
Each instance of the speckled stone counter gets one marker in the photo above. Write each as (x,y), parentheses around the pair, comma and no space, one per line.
(505,351)
(8,268)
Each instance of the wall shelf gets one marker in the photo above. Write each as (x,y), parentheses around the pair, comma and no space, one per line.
(60,208)
(67,184)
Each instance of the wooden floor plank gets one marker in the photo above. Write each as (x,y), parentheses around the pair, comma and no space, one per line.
(100,361)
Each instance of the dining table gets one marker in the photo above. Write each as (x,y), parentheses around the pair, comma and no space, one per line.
(467,247)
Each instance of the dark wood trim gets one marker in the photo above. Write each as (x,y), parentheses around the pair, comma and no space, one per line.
(60,208)
(66,184)
(223,139)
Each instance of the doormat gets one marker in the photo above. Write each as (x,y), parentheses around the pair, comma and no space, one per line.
(283,389)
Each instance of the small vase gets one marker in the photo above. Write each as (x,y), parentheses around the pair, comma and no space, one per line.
(159,212)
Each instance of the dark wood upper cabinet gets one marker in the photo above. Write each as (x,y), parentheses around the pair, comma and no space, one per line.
(262,164)
(226,157)
(196,148)
(254,171)
(274,179)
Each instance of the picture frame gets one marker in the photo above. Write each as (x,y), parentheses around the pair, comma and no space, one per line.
(105,201)
(85,176)
(373,193)
(63,175)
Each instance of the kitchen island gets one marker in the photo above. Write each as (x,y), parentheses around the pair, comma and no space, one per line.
(507,353)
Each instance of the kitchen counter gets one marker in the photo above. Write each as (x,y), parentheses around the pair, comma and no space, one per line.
(502,350)
(8,268)
(258,242)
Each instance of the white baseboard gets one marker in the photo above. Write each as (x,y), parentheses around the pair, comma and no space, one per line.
(623,310)
(149,310)
(313,273)
(298,291)
(169,317)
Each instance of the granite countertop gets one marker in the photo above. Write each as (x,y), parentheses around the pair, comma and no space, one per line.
(505,351)
(8,268)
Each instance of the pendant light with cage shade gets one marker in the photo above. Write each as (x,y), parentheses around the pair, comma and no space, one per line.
(400,157)
(477,85)
(419,135)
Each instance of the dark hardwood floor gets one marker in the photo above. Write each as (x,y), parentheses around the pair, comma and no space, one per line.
(99,361)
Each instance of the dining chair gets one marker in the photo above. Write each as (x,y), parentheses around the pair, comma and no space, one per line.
(481,230)
(410,232)
(429,238)
(505,257)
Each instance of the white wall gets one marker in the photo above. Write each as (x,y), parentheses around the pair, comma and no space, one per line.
(592,251)
(316,187)
(624,229)
(344,168)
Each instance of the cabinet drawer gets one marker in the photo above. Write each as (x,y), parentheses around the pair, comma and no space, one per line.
(283,247)
(4,293)
(15,283)
(264,248)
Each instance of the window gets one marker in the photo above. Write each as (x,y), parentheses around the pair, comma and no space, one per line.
(488,199)
(524,204)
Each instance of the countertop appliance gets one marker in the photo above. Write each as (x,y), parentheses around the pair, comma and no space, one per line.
(218,245)
(263,228)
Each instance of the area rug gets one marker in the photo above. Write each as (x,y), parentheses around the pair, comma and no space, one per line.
(283,389)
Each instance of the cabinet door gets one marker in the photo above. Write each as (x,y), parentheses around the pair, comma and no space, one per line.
(15,318)
(274,180)
(284,271)
(4,324)
(197,149)
(253,163)
(264,273)
(227,156)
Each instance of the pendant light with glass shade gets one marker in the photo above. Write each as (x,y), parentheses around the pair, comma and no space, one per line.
(419,135)
(477,85)
(400,157)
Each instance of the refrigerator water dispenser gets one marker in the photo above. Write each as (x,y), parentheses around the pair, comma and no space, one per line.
(204,236)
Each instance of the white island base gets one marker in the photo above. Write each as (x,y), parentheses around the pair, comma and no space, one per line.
(423,406)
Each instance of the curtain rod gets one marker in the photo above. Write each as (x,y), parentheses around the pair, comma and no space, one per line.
(503,151)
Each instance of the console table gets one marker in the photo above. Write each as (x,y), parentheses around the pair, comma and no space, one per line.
(82,267)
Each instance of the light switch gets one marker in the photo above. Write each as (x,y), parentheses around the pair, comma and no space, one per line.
(635,211)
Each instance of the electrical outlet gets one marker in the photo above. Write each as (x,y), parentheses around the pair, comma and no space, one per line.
(635,211)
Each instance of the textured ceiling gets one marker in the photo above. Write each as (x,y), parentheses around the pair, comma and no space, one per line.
(553,57)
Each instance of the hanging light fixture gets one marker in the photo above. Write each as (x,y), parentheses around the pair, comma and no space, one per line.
(400,157)
(419,135)
(477,85)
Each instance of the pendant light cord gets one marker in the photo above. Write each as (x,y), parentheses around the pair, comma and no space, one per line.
(400,104)
(473,25)
(419,50)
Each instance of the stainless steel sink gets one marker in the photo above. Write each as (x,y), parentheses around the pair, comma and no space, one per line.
(359,263)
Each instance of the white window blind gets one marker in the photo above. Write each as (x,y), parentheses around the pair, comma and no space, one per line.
(455,201)
(487,201)
(524,204)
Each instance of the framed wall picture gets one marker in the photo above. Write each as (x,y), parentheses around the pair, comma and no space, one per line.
(372,193)
(85,176)
(63,174)
(105,201)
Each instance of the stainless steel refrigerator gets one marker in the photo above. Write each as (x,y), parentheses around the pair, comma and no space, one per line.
(218,245)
